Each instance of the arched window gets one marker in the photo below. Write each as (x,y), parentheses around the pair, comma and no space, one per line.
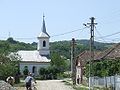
(44,43)
(25,70)
(26,67)
(33,69)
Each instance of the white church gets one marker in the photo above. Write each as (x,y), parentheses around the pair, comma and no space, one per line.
(34,60)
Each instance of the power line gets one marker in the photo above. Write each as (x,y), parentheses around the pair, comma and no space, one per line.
(26,38)
(68,32)
(112,15)
(53,35)
(100,35)
(109,40)
(109,35)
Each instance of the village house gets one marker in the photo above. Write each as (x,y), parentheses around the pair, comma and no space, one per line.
(112,53)
(34,60)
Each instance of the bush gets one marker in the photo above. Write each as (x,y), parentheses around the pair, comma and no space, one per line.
(25,71)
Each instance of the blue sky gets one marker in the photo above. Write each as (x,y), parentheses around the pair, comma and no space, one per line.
(23,19)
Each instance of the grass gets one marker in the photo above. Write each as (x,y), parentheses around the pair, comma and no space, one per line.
(21,84)
(76,87)
(81,88)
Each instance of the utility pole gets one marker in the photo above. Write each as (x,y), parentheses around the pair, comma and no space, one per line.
(73,62)
(92,26)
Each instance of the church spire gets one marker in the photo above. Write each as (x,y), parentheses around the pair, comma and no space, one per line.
(43,26)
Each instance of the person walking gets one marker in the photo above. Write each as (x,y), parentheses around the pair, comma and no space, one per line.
(10,80)
(28,81)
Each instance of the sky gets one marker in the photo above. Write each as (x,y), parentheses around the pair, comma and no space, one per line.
(22,19)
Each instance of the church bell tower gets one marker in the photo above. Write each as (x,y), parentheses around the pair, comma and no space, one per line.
(43,41)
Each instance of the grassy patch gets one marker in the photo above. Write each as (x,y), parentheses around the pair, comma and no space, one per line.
(81,87)
(21,84)
(67,83)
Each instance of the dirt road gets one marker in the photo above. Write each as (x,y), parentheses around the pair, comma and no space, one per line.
(51,85)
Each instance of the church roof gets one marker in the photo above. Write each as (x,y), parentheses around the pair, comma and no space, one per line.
(32,56)
(44,32)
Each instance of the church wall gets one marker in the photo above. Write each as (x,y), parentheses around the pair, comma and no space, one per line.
(40,43)
(30,66)
(44,52)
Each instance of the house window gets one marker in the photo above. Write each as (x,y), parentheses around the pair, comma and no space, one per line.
(44,43)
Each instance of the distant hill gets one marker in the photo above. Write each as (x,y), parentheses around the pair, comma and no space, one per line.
(14,45)
(61,47)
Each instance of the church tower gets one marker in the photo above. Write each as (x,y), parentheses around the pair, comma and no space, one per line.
(43,41)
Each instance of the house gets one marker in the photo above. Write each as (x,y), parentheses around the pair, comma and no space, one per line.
(34,60)
(110,54)
(81,61)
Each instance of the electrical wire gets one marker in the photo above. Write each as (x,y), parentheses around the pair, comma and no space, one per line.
(109,35)
(68,32)
(100,35)
(54,35)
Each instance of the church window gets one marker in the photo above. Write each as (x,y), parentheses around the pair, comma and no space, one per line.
(44,43)
(33,69)
(25,71)
(26,67)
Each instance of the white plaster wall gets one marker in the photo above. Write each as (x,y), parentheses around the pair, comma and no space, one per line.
(43,50)
(78,72)
(30,66)
(40,43)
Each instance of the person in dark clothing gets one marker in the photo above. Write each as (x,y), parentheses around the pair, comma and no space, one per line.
(28,81)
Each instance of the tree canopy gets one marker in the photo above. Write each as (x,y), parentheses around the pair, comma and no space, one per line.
(104,68)
(8,61)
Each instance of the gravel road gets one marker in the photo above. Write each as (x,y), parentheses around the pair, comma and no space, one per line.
(50,85)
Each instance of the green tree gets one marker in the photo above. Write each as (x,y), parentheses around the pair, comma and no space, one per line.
(8,61)
(4,48)
(59,62)
(8,66)
(104,68)
(25,71)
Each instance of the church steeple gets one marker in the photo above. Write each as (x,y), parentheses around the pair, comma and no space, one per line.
(44,27)
(43,41)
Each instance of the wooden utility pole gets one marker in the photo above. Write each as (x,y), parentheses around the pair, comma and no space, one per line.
(73,62)
(92,26)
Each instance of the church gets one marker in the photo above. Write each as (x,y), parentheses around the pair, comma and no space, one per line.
(34,60)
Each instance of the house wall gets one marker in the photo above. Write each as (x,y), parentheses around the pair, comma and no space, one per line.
(30,66)
(78,74)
